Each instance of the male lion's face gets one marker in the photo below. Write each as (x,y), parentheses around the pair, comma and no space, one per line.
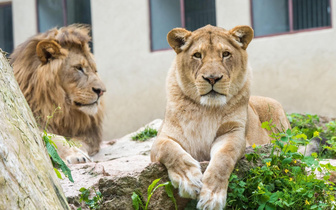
(76,73)
(81,82)
(211,62)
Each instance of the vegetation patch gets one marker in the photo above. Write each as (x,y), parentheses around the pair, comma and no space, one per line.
(282,181)
(137,198)
(52,151)
(94,202)
(144,135)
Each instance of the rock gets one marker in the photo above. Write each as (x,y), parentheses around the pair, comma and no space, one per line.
(27,178)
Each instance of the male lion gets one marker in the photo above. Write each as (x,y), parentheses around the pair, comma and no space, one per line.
(56,68)
(208,113)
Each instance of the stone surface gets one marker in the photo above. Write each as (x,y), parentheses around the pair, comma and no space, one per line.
(27,178)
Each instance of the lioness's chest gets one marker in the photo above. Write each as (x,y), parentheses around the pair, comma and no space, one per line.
(198,134)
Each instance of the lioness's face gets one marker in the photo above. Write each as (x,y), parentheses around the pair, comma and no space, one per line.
(211,62)
(81,82)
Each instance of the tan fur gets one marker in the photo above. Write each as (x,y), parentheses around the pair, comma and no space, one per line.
(56,68)
(209,113)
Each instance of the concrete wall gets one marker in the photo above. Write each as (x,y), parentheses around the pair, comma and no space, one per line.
(24,20)
(298,69)
(135,77)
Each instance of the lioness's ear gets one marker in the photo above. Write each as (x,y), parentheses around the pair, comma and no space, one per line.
(177,38)
(243,35)
(47,49)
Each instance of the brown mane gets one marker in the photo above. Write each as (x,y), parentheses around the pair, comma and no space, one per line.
(41,87)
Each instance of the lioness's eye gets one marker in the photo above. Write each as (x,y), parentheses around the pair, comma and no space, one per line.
(197,55)
(226,54)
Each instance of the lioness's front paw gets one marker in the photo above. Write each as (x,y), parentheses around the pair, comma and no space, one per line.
(187,176)
(212,199)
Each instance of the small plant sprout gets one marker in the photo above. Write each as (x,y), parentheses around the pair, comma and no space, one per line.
(137,196)
(52,151)
(94,202)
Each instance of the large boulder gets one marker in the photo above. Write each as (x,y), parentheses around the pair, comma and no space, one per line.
(27,178)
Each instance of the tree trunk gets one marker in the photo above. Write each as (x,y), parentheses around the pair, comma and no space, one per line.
(27,178)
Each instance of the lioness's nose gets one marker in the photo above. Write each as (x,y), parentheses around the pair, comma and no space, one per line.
(99,91)
(212,79)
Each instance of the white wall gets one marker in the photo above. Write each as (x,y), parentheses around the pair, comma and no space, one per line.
(134,76)
(24,20)
(299,70)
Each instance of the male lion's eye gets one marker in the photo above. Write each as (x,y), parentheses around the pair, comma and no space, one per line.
(226,54)
(197,55)
(79,68)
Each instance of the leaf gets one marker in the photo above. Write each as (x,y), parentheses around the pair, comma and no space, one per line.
(58,173)
(270,207)
(136,201)
(151,186)
(266,125)
(287,161)
(290,148)
(169,190)
(57,159)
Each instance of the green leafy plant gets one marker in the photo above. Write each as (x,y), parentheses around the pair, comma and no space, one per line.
(280,180)
(144,135)
(308,125)
(137,197)
(93,203)
(52,151)
(330,135)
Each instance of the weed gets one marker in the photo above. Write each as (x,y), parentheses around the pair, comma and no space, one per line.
(93,203)
(307,125)
(137,197)
(144,135)
(282,181)
(52,151)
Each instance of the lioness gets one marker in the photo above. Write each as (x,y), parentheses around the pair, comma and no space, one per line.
(56,68)
(209,115)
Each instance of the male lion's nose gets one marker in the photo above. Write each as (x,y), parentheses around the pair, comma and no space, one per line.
(212,79)
(99,91)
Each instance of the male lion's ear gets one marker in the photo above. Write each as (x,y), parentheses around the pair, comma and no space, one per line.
(177,38)
(243,35)
(47,49)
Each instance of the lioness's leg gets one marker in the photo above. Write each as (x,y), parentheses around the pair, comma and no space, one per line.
(269,109)
(183,170)
(225,152)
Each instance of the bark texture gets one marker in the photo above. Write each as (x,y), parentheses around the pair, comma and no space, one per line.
(27,178)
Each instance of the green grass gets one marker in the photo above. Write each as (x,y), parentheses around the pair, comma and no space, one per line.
(144,135)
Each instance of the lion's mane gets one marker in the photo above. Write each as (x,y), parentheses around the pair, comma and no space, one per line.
(41,87)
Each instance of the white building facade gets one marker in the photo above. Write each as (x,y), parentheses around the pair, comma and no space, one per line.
(293,55)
